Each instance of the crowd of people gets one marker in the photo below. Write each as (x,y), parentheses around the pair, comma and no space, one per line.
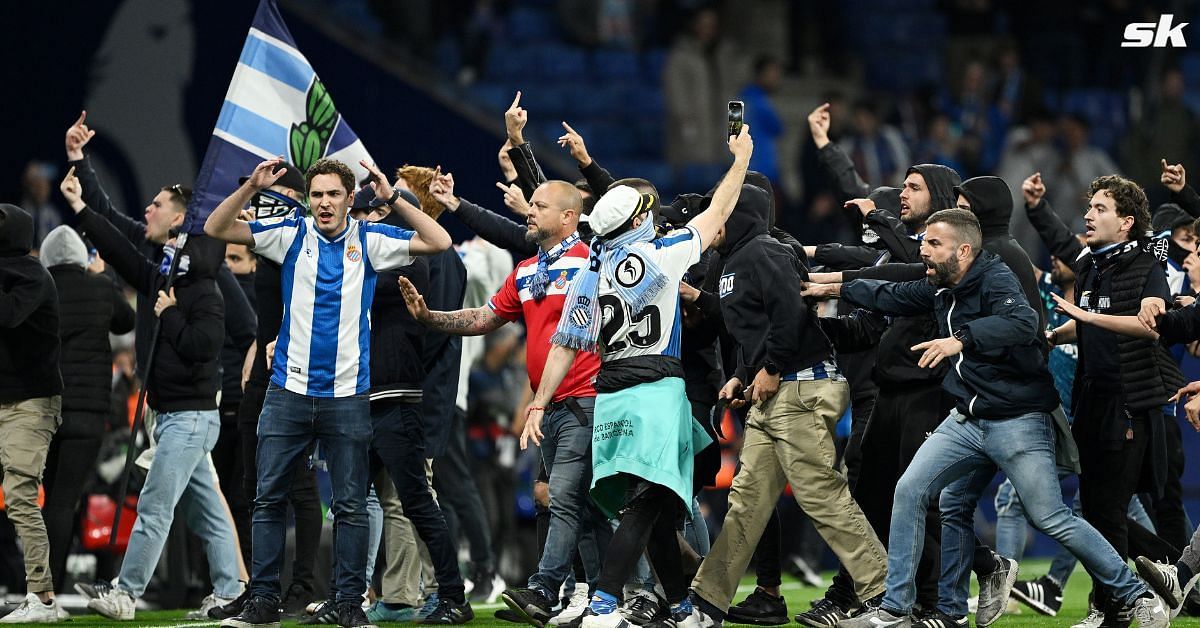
(321,321)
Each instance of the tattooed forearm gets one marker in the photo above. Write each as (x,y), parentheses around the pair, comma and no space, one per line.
(475,322)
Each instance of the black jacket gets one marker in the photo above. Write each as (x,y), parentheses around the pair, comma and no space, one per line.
(991,202)
(29,345)
(442,352)
(89,307)
(769,321)
(186,373)
(1001,373)
(495,228)
(397,339)
(239,322)
(237,341)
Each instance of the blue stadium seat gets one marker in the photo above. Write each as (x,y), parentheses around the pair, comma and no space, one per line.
(652,65)
(493,97)
(509,64)
(699,178)
(615,65)
(531,25)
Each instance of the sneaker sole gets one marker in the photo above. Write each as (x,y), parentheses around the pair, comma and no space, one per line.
(525,615)
(243,624)
(1008,584)
(1146,569)
(773,620)
(1037,606)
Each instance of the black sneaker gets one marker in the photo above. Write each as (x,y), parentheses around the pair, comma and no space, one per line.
(507,614)
(1040,594)
(296,600)
(449,612)
(759,609)
(530,604)
(1117,614)
(645,608)
(578,621)
(352,615)
(823,613)
(868,606)
(258,612)
(325,613)
(231,609)
(934,618)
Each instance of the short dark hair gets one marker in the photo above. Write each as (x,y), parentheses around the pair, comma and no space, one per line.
(963,222)
(762,62)
(331,166)
(1129,199)
(180,193)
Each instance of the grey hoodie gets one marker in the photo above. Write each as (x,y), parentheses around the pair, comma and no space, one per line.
(63,245)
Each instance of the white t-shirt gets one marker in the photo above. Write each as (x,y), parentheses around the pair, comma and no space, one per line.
(655,330)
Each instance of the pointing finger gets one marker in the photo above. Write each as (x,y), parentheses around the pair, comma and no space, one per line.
(568,127)
(516,101)
(83,116)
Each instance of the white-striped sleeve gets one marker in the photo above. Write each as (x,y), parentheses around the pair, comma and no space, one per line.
(274,236)
(387,246)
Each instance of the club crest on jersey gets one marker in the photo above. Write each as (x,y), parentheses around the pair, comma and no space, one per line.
(560,282)
(630,271)
(353,253)
(726,285)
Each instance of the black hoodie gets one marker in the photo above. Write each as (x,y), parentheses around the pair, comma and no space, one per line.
(28,314)
(991,202)
(768,320)
(186,374)
(397,339)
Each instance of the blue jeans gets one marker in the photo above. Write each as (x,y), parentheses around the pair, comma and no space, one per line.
(961,456)
(289,422)
(182,475)
(567,455)
(1010,528)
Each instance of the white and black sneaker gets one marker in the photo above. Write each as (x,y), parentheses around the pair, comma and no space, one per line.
(644,607)
(1164,579)
(878,618)
(937,619)
(1151,611)
(1041,594)
(1094,618)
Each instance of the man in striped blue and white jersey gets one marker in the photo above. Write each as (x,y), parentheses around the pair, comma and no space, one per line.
(320,380)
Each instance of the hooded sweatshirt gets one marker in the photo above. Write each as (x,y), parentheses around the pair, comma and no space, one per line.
(90,307)
(769,322)
(29,343)
(186,373)
(991,202)
(397,339)
(895,235)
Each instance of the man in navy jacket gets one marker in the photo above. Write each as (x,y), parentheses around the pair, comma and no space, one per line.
(1004,394)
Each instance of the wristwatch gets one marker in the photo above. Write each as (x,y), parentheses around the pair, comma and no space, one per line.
(963,335)
(770,368)
(395,197)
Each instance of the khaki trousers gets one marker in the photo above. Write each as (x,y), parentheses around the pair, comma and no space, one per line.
(27,427)
(789,440)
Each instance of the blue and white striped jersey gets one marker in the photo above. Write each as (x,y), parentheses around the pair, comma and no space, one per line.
(324,346)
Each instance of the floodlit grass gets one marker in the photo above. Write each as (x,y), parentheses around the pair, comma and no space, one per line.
(798,598)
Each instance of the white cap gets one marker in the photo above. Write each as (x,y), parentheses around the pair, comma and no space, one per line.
(615,208)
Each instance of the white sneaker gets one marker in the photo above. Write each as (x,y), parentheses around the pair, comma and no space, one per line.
(116,604)
(1152,612)
(210,601)
(579,601)
(1094,618)
(607,620)
(32,611)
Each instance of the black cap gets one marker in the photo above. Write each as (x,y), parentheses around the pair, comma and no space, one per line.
(1168,217)
(292,179)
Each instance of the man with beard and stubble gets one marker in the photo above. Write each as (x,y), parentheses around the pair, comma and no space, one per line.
(1003,395)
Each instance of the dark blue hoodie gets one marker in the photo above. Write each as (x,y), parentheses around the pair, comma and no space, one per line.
(1002,373)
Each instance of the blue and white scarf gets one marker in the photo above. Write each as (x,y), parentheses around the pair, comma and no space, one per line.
(546,259)
(579,326)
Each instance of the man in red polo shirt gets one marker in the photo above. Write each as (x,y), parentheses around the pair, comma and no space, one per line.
(535,292)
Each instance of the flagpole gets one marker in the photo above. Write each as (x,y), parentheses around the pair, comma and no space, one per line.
(136,427)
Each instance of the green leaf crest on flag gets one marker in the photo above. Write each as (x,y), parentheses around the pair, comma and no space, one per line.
(309,139)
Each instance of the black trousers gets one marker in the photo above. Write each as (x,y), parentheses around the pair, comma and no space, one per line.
(228,459)
(648,523)
(462,505)
(398,444)
(304,497)
(900,421)
(69,464)
(1170,519)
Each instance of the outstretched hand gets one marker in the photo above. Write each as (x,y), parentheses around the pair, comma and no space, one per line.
(1033,189)
(573,141)
(514,198)
(378,182)
(937,350)
(413,299)
(78,135)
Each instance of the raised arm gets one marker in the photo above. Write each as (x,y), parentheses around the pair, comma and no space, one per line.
(896,299)
(833,159)
(597,177)
(1050,228)
(487,224)
(112,245)
(710,221)
(223,224)
(429,236)
(1124,325)
(1184,195)
(93,194)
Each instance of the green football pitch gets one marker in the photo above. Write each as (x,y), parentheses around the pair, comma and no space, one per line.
(798,598)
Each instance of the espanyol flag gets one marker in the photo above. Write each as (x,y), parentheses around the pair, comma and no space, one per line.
(276,105)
